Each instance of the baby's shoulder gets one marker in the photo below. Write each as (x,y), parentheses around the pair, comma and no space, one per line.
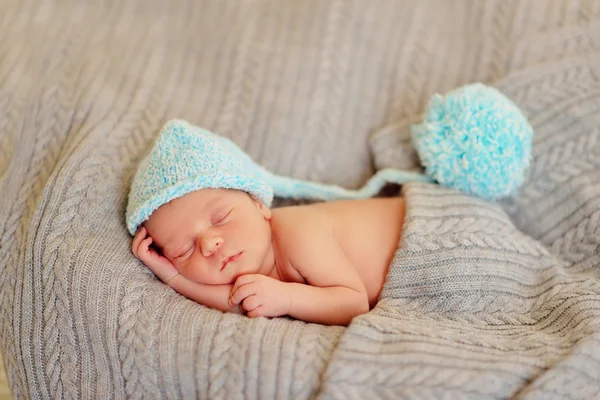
(298,229)
(300,220)
(299,234)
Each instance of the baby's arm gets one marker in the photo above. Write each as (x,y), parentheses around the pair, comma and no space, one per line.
(335,292)
(214,296)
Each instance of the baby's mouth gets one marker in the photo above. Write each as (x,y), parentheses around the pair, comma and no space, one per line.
(230,259)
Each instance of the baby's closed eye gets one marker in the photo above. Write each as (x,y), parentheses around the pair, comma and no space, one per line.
(220,217)
(182,254)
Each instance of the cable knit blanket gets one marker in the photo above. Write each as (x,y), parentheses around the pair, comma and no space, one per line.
(482,300)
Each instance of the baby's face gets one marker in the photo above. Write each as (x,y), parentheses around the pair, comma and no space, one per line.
(212,236)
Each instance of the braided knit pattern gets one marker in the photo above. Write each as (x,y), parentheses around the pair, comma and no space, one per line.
(482,300)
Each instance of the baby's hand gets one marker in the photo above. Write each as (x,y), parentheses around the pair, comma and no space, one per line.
(159,264)
(260,296)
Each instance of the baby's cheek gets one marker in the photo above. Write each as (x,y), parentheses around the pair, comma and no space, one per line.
(176,264)
(231,280)
(195,272)
(185,269)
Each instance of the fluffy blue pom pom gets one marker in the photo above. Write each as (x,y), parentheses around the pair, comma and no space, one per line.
(476,140)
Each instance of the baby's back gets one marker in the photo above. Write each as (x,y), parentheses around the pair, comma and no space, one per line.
(368,231)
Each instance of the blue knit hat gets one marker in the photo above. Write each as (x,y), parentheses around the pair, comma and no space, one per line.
(477,137)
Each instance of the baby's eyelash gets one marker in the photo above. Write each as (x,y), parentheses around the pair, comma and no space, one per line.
(219,218)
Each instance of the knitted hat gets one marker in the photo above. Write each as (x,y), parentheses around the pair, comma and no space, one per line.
(186,158)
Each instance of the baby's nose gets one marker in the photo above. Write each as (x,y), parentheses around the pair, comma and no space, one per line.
(211,245)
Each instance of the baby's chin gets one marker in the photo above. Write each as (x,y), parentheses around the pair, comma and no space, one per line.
(225,280)
(228,276)
(221,279)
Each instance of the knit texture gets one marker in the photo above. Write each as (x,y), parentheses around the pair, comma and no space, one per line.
(482,300)
(474,139)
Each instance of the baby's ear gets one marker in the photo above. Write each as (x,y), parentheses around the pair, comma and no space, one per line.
(264,209)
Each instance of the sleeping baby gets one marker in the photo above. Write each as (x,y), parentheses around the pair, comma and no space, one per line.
(199,209)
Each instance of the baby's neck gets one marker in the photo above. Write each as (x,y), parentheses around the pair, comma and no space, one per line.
(274,271)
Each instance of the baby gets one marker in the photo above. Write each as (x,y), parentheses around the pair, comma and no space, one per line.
(323,263)
(223,247)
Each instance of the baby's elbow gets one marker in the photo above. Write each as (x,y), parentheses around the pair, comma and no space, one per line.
(359,306)
(362,304)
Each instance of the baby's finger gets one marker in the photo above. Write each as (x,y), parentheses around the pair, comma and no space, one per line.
(144,250)
(250,304)
(240,293)
(145,245)
(242,280)
(139,236)
(257,312)
(137,242)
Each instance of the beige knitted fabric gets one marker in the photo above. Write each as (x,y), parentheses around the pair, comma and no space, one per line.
(482,301)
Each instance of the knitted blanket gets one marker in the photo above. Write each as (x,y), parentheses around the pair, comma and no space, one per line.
(483,300)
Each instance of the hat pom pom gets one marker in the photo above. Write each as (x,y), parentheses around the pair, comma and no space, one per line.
(476,140)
